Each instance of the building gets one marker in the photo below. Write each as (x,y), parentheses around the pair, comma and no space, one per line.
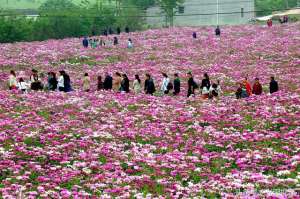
(206,12)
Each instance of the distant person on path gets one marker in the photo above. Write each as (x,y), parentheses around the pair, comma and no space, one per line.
(52,81)
(110,31)
(176,84)
(86,82)
(116,42)
(125,83)
(191,85)
(218,31)
(129,44)
(149,85)
(273,85)
(137,84)
(194,35)
(257,87)
(127,29)
(269,23)
(118,30)
(105,32)
(85,42)
(117,82)
(165,83)
(285,19)
(100,84)
(61,85)
(108,82)
(12,82)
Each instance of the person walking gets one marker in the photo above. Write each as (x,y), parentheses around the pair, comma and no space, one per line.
(149,85)
(273,85)
(85,42)
(257,87)
(60,84)
(176,84)
(218,31)
(12,80)
(52,81)
(86,82)
(165,83)
(117,82)
(205,86)
(100,84)
(137,84)
(108,82)
(125,83)
(191,85)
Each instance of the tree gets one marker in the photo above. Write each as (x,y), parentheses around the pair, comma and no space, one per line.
(169,8)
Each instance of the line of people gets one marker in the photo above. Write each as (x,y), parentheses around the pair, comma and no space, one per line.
(245,90)
(96,42)
(121,83)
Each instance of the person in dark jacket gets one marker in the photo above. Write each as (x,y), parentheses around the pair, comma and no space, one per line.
(105,32)
(205,82)
(176,84)
(127,29)
(99,83)
(257,87)
(52,81)
(194,35)
(118,30)
(108,81)
(125,83)
(85,42)
(191,85)
(67,83)
(110,31)
(218,31)
(116,41)
(273,85)
(149,85)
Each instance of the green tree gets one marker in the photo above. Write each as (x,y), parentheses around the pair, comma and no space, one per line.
(169,8)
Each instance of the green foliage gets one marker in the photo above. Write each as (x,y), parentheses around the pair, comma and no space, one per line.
(59,19)
(265,7)
(169,8)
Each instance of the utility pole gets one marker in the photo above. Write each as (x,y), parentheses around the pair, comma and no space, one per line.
(218,12)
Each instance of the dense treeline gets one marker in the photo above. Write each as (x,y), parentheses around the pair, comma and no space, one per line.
(61,18)
(266,6)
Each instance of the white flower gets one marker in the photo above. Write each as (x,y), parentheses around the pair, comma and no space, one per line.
(283,173)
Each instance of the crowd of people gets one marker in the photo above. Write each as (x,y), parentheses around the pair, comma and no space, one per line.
(121,83)
(282,20)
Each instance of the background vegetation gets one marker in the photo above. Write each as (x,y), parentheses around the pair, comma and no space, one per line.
(66,18)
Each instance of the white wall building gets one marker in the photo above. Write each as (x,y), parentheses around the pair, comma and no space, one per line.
(204,12)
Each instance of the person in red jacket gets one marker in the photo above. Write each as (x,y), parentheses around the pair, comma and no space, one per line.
(247,86)
(257,87)
(270,23)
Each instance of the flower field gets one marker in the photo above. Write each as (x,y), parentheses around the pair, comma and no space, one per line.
(111,145)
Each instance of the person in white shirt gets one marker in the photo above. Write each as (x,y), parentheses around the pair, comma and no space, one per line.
(129,44)
(22,85)
(61,84)
(165,83)
(12,80)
